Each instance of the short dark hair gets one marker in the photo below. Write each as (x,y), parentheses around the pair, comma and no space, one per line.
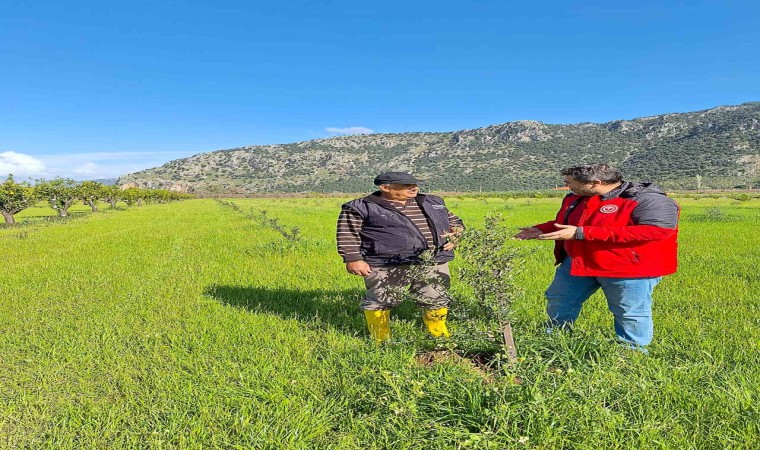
(594,172)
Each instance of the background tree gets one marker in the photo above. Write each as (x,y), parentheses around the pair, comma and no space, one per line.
(60,193)
(132,196)
(91,192)
(159,195)
(14,198)
(112,194)
(151,195)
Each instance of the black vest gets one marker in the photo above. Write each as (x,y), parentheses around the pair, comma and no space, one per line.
(389,238)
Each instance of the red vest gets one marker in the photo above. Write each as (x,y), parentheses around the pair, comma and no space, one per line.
(618,241)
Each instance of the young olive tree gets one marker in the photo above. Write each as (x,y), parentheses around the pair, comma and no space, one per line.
(60,194)
(14,198)
(490,261)
(91,192)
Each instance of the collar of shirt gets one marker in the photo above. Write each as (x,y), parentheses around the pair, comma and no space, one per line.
(400,205)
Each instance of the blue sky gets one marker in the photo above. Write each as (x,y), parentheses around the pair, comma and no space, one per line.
(100,89)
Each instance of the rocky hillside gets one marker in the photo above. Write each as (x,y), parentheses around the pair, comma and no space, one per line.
(720,146)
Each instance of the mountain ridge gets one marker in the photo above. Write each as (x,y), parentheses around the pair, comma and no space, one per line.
(719,146)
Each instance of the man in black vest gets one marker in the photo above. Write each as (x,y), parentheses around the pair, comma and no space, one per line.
(381,236)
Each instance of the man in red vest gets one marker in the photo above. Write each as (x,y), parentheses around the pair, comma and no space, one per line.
(611,234)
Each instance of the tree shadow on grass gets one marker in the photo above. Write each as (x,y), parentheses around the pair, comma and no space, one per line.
(335,309)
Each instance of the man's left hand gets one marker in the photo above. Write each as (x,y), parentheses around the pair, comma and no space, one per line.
(449,246)
(565,233)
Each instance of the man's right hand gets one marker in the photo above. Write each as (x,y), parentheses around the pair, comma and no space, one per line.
(528,233)
(360,268)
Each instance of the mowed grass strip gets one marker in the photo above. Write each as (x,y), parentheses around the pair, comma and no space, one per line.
(188,325)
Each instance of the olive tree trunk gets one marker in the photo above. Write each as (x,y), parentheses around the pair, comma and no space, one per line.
(8,217)
(63,211)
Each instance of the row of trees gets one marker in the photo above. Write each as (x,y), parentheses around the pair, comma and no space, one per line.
(61,193)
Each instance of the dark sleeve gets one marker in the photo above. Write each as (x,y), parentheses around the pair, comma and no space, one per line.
(657,210)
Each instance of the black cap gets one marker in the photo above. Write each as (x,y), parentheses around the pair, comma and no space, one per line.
(396,177)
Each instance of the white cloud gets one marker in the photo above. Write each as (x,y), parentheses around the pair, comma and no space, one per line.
(349,130)
(83,158)
(87,169)
(20,165)
(81,166)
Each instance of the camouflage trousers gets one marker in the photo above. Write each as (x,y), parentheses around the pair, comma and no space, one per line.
(425,285)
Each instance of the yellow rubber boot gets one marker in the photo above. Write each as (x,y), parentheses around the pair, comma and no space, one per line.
(435,320)
(378,324)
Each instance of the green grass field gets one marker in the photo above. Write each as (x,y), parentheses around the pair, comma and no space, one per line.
(187,325)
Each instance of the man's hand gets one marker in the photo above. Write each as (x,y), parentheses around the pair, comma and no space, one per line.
(528,233)
(360,268)
(565,233)
(452,238)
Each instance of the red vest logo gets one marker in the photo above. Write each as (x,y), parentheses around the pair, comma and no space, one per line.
(608,209)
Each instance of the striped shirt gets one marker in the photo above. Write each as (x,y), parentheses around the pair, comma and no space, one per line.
(350,225)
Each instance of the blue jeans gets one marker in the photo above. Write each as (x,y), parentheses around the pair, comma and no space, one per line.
(629,300)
